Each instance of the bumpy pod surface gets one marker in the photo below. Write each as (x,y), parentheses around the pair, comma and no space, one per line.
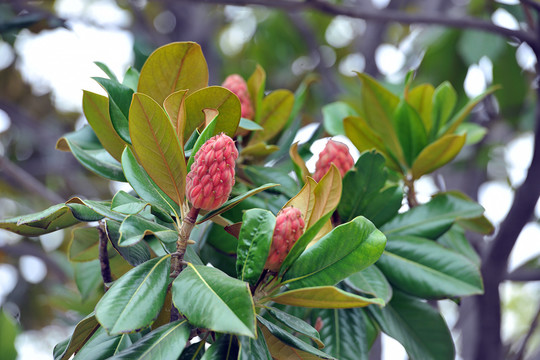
(211,178)
(289,227)
(238,86)
(335,153)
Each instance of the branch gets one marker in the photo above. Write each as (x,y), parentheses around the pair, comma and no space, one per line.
(530,332)
(385,15)
(524,275)
(104,256)
(535,5)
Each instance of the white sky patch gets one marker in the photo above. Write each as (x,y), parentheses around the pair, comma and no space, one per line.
(389,59)
(425,188)
(63,61)
(351,63)
(8,279)
(32,269)
(233,39)
(525,57)
(6,55)
(518,156)
(52,241)
(503,18)
(475,81)
(380,4)
(486,66)
(496,197)
(527,246)
(100,12)
(392,349)
(5,121)
(342,30)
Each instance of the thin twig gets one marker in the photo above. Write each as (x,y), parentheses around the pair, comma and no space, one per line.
(533,4)
(104,256)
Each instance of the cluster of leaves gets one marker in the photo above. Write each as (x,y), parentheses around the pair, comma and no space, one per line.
(360,267)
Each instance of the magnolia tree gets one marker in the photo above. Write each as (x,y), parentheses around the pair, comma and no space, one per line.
(227,247)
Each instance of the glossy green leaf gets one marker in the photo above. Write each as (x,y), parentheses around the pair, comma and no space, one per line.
(125,203)
(101,346)
(84,244)
(290,340)
(475,133)
(426,269)
(214,301)
(213,97)
(261,175)
(135,228)
(106,70)
(224,348)
(332,259)
(131,78)
(175,66)
(253,349)
(87,277)
(157,147)
(420,98)
(417,326)
(96,111)
(324,297)
(370,281)
(444,101)
(366,181)
(195,351)
(102,208)
(247,124)
(275,112)
(229,204)
(144,186)
(256,84)
(54,218)
(333,115)
(281,350)
(87,149)
(82,333)
(254,244)
(455,240)
(9,331)
(164,343)
(432,219)
(296,324)
(344,333)
(410,131)
(119,102)
(437,154)
(83,213)
(134,300)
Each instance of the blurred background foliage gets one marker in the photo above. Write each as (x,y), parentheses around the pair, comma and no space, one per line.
(290,45)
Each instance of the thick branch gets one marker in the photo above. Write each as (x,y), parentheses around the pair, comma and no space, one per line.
(385,15)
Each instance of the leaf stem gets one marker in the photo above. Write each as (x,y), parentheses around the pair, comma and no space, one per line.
(411,193)
(188,222)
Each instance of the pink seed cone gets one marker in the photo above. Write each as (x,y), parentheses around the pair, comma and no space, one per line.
(289,227)
(211,178)
(238,86)
(335,153)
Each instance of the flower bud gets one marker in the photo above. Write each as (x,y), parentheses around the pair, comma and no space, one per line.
(335,153)
(289,227)
(238,86)
(211,178)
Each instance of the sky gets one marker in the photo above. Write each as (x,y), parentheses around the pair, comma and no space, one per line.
(61,60)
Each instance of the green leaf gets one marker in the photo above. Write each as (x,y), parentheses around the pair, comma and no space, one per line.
(344,333)
(131,78)
(54,218)
(164,343)
(135,228)
(134,300)
(410,131)
(229,204)
(134,255)
(432,219)
(474,44)
(214,301)
(225,348)
(475,133)
(87,277)
(9,331)
(371,281)
(157,147)
(194,351)
(213,97)
(366,181)
(324,297)
(260,175)
(333,115)
(106,70)
(101,346)
(175,66)
(331,259)
(87,149)
(274,114)
(102,208)
(82,333)
(420,98)
(437,154)
(257,150)
(256,84)
(144,186)
(247,124)
(254,244)
(425,269)
(444,100)
(96,111)
(296,324)
(290,340)
(119,102)
(125,203)
(84,244)
(253,349)
(455,240)
(417,326)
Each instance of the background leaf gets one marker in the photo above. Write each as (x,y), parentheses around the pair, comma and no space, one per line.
(371,281)
(324,297)
(333,115)
(49,220)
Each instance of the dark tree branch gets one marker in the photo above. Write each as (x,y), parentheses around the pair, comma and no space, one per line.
(104,256)
(523,275)
(531,3)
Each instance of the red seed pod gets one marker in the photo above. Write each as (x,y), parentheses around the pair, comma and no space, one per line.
(238,86)
(211,178)
(289,227)
(335,153)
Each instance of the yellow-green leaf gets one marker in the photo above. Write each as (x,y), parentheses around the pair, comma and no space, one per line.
(256,83)
(327,195)
(175,66)
(324,297)
(420,98)
(96,111)
(261,149)
(275,112)
(157,147)
(280,350)
(437,154)
(298,161)
(175,106)
(305,199)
